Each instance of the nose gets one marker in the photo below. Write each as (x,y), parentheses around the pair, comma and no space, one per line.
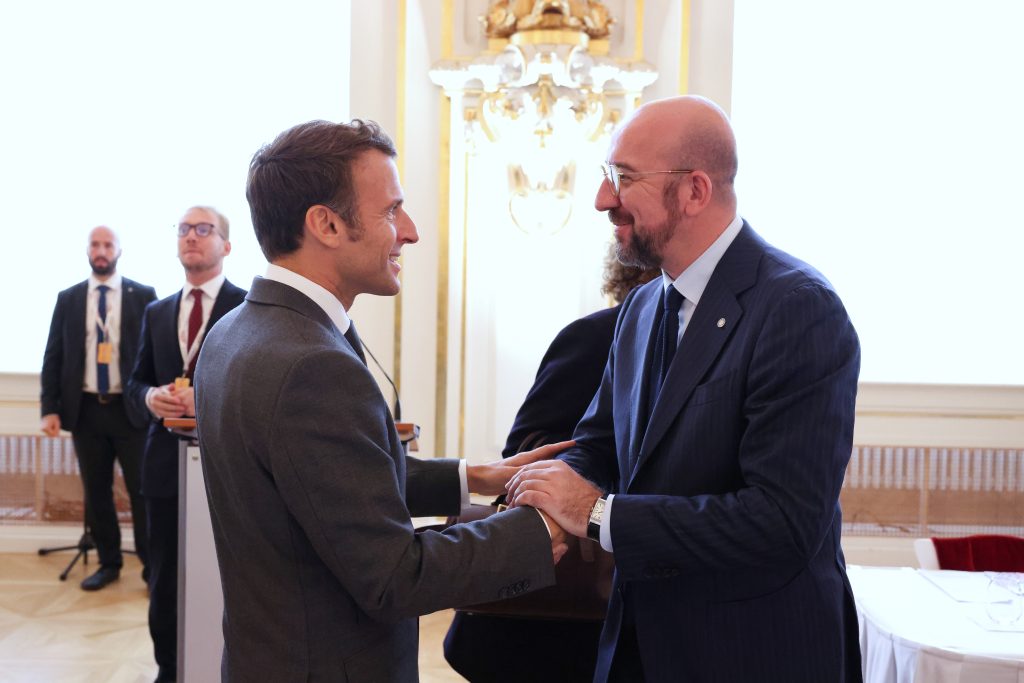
(407,233)
(605,198)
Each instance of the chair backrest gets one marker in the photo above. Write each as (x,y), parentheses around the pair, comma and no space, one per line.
(925,551)
(986,552)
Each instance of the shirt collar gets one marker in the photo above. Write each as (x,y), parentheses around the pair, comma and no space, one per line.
(692,282)
(320,296)
(210,288)
(113,282)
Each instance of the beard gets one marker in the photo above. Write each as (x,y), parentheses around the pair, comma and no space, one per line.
(646,247)
(104,268)
(643,250)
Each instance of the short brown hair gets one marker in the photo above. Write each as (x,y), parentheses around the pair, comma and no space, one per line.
(307,165)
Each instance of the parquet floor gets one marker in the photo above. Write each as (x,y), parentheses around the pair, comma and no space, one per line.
(54,632)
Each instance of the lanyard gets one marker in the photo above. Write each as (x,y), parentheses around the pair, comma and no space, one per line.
(104,325)
(193,350)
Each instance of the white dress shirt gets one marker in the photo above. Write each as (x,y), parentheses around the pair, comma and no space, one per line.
(92,316)
(210,290)
(691,283)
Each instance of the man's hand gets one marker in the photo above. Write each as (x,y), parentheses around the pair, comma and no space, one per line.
(558,490)
(50,424)
(558,536)
(165,402)
(188,397)
(490,479)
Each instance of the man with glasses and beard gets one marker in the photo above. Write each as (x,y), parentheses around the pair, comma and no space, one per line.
(173,329)
(89,354)
(711,458)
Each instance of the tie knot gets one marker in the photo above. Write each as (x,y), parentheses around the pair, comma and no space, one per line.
(103,289)
(673,299)
(197,294)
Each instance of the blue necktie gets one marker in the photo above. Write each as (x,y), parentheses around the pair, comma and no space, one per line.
(665,344)
(102,369)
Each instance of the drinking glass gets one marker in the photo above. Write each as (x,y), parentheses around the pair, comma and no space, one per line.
(1005,597)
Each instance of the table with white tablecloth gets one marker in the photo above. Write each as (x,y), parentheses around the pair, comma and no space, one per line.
(932,627)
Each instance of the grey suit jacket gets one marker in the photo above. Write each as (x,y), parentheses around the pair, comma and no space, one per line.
(311,494)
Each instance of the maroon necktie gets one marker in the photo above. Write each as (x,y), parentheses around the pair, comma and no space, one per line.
(195,321)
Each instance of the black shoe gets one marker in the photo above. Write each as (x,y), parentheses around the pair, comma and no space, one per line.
(101,578)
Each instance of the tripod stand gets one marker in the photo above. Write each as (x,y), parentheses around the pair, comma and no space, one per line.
(85,544)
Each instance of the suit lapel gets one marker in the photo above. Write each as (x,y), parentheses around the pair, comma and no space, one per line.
(713,323)
(221,305)
(128,321)
(641,352)
(168,329)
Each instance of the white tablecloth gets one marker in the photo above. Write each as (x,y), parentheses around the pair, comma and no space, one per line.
(912,630)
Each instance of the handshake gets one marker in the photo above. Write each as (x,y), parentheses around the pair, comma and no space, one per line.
(532,478)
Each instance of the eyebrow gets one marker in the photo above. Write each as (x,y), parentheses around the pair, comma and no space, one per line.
(622,166)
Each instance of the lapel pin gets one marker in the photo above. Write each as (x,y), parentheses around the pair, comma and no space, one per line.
(721,322)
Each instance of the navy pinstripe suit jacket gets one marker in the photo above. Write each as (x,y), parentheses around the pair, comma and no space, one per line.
(726,521)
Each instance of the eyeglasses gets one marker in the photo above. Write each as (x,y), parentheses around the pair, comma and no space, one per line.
(202,229)
(615,177)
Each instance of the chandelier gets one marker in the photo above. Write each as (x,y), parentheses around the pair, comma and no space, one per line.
(545,85)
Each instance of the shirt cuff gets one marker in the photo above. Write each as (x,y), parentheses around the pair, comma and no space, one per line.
(545,522)
(149,401)
(606,524)
(463,486)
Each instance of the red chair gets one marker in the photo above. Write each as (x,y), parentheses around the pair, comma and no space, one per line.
(981,553)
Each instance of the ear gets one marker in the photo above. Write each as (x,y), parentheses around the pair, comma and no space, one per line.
(324,226)
(227,247)
(695,193)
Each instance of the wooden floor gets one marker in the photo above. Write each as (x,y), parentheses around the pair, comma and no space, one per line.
(53,631)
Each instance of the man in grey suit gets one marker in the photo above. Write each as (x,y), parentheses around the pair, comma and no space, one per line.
(93,338)
(310,489)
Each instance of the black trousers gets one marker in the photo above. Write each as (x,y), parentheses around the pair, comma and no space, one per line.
(104,434)
(163,583)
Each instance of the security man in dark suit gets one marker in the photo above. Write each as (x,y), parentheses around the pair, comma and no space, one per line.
(89,354)
(173,330)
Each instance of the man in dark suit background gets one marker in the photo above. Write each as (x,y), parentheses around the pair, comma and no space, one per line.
(310,489)
(93,337)
(712,472)
(173,330)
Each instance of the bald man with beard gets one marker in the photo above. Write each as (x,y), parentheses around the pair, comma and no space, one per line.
(94,335)
(711,458)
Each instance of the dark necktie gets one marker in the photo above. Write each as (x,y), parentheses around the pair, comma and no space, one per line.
(102,366)
(195,322)
(665,344)
(353,340)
